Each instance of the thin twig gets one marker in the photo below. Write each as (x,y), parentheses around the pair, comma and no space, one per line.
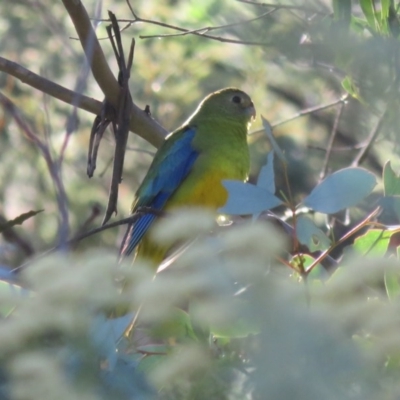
(312,110)
(197,32)
(12,236)
(129,220)
(356,146)
(359,158)
(217,38)
(307,111)
(95,212)
(349,234)
(203,31)
(285,7)
(51,165)
(330,142)
(77,238)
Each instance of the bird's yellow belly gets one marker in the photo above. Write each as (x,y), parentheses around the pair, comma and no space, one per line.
(202,188)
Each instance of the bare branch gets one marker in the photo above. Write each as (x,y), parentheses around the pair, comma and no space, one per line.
(124,107)
(46,86)
(103,75)
(140,123)
(100,68)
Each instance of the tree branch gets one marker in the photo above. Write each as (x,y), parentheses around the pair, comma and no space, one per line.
(100,68)
(140,123)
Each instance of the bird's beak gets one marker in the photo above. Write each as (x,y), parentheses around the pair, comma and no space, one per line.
(252,111)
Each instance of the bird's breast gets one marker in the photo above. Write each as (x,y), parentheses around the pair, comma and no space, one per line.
(203,186)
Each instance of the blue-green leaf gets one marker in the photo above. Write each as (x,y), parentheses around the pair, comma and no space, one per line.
(391,181)
(106,333)
(310,235)
(274,144)
(266,177)
(391,204)
(345,188)
(245,198)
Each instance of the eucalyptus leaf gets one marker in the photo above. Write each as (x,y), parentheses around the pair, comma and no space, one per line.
(310,235)
(245,199)
(391,204)
(344,188)
(391,181)
(106,333)
(374,242)
(266,177)
(274,144)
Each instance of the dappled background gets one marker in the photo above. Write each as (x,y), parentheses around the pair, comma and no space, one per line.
(289,61)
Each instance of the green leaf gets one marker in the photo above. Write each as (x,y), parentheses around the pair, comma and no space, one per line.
(385,7)
(5,289)
(358,24)
(342,11)
(305,260)
(244,325)
(374,242)
(367,7)
(178,326)
(344,188)
(392,284)
(349,86)
(391,181)
(19,220)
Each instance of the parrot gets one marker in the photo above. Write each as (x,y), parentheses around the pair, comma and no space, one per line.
(190,166)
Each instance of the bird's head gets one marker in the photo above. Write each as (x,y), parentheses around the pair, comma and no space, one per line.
(230,103)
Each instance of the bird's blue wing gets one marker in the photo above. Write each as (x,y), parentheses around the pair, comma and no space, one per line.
(169,168)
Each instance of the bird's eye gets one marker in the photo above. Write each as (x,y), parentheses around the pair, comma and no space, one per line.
(237,99)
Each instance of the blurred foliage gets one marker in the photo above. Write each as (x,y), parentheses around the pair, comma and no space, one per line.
(307,309)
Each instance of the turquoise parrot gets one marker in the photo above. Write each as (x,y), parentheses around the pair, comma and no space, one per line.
(189,167)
